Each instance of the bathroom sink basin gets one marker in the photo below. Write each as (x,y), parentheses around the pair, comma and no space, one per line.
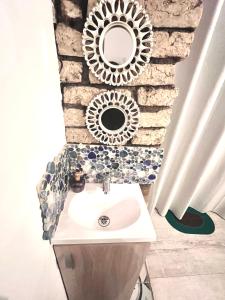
(87,207)
(93,217)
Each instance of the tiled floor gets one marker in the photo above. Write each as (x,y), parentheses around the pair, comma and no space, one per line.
(187,267)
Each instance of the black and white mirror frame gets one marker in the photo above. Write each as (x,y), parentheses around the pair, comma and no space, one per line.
(130,16)
(112,118)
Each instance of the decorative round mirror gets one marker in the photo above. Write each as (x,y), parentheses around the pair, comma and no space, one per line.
(117,45)
(112,118)
(117,41)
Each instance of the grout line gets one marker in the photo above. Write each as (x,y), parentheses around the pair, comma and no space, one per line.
(84,8)
(127,145)
(71,58)
(187,248)
(109,87)
(187,241)
(192,275)
(163,251)
(143,109)
(144,128)
(170,60)
(174,29)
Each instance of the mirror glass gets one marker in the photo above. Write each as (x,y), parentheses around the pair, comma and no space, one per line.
(117,41)
(113,119)
(118,46)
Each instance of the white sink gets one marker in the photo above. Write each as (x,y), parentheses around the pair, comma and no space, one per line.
(125,207)
(86,208)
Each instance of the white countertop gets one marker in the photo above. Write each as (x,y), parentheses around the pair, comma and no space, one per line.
(124,204)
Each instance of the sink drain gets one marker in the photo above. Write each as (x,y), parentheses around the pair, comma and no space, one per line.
(104,221)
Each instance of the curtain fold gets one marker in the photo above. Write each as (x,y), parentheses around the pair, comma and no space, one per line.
(193,172)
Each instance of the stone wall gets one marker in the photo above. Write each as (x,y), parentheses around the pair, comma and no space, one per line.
(174,23)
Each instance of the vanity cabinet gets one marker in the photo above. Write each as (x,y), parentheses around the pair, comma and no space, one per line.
(100,271)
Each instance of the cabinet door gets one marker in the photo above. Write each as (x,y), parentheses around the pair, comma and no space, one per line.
(100,271)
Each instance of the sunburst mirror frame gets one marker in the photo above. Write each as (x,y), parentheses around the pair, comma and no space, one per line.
(121,102)
(132,17)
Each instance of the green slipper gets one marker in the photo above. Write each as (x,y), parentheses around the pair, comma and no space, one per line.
(193,222)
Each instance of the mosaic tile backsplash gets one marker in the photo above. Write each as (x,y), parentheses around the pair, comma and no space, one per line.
(122,164)
(52,191)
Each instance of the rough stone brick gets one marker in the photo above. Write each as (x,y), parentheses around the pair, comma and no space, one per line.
(164,13)
(71,71)
(155,119)
(80,135)
(149,137)
(143,137)
(177,44)
(156,97)
(125,91)
(81,95)
(91,4)
(70,9)
(154,74)
(170,13)
(84,94)
(74,117)
(175,13)
(69,41)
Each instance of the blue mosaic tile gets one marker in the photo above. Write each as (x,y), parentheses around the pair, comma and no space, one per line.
(51,167)
(133,164)
(52,192)
(123,165)
(152,177)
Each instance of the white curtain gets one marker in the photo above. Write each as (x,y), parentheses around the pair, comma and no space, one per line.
(193,173)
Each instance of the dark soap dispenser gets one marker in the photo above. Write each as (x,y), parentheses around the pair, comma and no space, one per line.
(77,181)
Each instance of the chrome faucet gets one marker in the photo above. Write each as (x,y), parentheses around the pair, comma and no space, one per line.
(106,184)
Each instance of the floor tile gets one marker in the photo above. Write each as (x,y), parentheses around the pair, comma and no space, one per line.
(182,262)
(202,287)
(185,266)
(186,244)
(165,232)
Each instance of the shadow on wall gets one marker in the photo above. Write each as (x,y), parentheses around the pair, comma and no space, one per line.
(3,298)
